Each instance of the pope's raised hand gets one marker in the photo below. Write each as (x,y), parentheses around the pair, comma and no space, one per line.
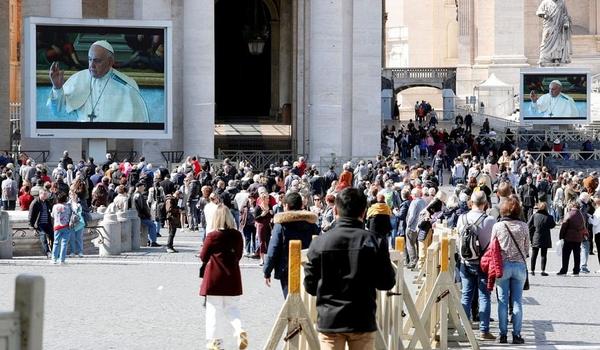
(533,95)
(57,77)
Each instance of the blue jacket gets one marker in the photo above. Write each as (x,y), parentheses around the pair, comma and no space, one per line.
(289,225)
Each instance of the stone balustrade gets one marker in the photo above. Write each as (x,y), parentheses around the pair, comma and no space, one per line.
(105,234)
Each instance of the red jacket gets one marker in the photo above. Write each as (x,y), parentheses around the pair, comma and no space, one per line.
(222,251)
(491,263)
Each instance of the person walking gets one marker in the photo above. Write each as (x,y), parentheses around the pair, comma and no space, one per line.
(61,215)
(513,237)
(143,211)
(573,231)
(540,225)
(222,281)
(262,221)
(344,269)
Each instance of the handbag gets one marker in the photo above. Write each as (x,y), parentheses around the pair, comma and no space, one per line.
(526,285)
(202,269)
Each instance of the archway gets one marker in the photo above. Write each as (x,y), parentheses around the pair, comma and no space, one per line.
(408,96)
(242,81)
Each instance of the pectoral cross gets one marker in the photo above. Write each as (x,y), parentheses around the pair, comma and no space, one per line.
(92,116)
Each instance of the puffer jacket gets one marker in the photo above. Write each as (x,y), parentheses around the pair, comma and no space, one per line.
(491,263)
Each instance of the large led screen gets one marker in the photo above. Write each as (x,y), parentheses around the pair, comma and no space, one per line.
(555,96)
(93,78)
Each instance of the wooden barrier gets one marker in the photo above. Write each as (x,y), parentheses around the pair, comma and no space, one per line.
(294,314)
(429,320)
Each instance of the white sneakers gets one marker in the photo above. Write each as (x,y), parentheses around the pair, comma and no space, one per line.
(215,344)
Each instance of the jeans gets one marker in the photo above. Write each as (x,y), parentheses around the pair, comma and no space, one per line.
(249,239)
(76,241)
(473,279)
(157,226)
(61,239)
(440,175)
(220,309)
(9,205)
(585,253)
(236,217)
(394,224)
(193,215)
(569,247)
(512,281)
(151,229)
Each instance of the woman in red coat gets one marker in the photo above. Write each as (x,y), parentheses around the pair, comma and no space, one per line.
(222,281)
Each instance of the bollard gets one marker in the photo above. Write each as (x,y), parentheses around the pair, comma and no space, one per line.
(135,229)
(444,253)
(123,219)
(29,303)
(110,243)
(6,247)
(294,267)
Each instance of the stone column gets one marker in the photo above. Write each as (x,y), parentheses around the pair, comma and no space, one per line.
(275,50)
(285,52)
(153,10)
(4,75)
(366,77)
(69,9)
(326,73)
(110,242)
(199,77)
(124,220)
(466,47)
(509,41)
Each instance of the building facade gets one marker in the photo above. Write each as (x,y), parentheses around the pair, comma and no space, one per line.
(319,74)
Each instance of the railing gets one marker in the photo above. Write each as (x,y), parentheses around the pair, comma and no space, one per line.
(258,159)
(496,123)
(444,78)
(39,156)
(120,156)
(544,157)
(172,157)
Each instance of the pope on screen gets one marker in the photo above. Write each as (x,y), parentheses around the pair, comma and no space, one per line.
(98,94)
(554,103)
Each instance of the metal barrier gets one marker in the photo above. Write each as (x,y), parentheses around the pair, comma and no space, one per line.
(259,159)
(543,157)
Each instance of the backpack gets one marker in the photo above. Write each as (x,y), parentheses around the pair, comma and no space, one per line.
(543,190)
(9,190)
(468,242)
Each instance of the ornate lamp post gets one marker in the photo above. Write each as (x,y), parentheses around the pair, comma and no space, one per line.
(257,32)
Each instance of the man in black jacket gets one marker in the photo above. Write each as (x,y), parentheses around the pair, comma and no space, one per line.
(292,224)
(40,218)
(143,211)
(344,269)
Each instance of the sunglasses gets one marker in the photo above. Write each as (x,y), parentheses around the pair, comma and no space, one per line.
(317,199)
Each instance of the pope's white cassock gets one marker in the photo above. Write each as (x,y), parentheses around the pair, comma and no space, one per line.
(559,106)
(112,98)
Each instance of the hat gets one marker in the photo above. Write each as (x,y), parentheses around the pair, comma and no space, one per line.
(140,184)
(557,142)
(105,44)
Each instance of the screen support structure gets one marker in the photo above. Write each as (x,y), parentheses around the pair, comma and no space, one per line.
(97,149)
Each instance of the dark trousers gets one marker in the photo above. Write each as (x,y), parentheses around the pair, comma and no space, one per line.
(534,256)
(528,211)
(592,242)
(46,233)
(9,205)
(569,247)
(468,127)
(172,231)
(284,287)
(597,239)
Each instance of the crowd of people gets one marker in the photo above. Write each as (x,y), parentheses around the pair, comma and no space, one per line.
(502,203)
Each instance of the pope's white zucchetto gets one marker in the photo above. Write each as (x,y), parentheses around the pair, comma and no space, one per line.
(105,44)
